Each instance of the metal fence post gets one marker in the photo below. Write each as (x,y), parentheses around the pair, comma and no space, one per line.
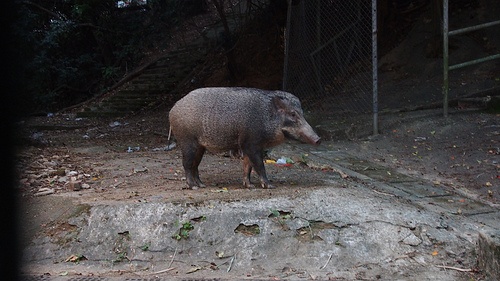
(445,58)
(287,45)
(374,67)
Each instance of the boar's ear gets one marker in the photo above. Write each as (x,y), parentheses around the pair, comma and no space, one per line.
(279,103)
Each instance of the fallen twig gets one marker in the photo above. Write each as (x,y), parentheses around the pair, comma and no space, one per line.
(169,268)
(162,134)
(231,263)
(163,271)
(172,260)
(45,191)
(341,173)
(455,268)
(383,193)
(329,258)
(116,184)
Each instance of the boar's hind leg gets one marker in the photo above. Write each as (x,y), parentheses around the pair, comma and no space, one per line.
(191,158)
(253,159)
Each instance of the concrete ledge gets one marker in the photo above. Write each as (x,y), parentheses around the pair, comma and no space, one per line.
(489,253)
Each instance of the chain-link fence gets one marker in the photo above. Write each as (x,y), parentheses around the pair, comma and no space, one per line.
(328,60)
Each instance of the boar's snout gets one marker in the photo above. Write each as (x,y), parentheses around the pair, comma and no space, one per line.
(315,140)
(310,137)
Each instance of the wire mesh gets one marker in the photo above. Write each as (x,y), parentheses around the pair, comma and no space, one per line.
(411,65)
(329,55)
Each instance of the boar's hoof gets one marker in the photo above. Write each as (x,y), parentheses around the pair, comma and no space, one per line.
(267,185)
(195,187)
(247,184)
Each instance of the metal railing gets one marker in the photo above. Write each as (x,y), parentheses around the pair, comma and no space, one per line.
(446,67)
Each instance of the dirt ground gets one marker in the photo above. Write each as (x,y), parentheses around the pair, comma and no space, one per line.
(107,159)
(125,159)
(460,151)
(68,162)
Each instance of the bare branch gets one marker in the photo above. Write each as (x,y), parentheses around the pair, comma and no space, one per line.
(29,3)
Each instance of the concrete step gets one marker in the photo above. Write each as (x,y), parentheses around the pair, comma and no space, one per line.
(151,85)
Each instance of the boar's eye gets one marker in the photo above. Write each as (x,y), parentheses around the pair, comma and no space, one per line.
(288,122)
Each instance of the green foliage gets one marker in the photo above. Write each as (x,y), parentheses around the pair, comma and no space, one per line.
(145,247)
(183,231)
(73,49)
(275,213)
(280,214)
(493,105)
(110,72)
(120,257)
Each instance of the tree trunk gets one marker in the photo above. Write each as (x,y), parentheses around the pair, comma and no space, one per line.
(435,46)
(228,41)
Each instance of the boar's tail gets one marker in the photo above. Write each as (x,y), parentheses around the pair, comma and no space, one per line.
(170,143)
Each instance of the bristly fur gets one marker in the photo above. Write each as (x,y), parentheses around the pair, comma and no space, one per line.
(242,120)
